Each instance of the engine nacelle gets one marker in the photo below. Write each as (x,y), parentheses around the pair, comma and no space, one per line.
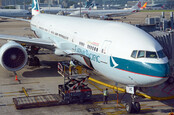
(103,17)
(13,56)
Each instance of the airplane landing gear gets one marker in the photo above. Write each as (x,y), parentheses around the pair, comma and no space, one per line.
(33,61)
(133,106)
(86,16)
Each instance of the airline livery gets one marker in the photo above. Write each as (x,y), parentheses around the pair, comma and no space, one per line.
(119,51)
(144,6)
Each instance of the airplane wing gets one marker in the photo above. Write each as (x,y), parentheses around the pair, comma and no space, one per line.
(19,19)
(30,41)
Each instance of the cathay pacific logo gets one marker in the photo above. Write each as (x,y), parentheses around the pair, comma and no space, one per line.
(113,62)
(35,5)
(87,53)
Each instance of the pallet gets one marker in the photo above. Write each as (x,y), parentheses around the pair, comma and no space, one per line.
(37,101)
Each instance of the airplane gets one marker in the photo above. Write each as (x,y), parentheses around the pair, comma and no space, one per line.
(119,51)
(144,6)
(15,13)
(105,14)
(154,6)
(66,11)
(55,10)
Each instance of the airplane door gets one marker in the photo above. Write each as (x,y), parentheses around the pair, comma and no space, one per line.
(88,62)
(105,50)
(105,46)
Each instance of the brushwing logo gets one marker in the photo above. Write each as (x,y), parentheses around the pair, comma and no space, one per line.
(113,63)
(35,6)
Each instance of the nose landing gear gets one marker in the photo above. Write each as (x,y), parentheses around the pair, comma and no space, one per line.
(133,106)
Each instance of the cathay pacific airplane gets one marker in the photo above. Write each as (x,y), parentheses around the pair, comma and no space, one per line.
(55,10)
(66,11)
(15,13)
(105,14)
(119,51)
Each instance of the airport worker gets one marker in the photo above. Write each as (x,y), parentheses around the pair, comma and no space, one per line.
(105,94)
(71,64)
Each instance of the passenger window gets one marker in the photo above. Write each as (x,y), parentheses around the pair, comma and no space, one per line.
(151,54)
(141,54)
(134,54)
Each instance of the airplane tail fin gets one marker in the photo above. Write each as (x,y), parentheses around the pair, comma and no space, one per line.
(138,5)
(35,7)
(92,4)
(162,6)
(144,6)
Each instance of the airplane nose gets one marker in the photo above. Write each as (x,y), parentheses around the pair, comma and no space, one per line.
(164,70)
(159,73)
(161,70)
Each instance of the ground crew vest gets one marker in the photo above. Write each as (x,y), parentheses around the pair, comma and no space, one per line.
(105,93)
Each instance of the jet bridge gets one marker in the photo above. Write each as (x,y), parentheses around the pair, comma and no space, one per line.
(166,39)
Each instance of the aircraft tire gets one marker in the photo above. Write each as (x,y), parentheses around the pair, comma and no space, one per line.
(37,62)
(137,107)
(129,107)
(33,61)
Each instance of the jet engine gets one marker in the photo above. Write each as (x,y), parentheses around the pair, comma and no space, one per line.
(13,56)
(103,17)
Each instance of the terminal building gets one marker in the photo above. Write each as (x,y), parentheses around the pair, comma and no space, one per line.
(7,2)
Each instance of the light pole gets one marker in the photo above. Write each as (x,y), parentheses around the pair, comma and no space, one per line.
(80,8)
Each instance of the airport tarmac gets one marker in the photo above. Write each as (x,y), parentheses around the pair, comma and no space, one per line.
(45,80)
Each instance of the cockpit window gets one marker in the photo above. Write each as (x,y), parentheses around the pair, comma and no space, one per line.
(147,54)
(150,54)
(134,54)
(161,54)
(141,54)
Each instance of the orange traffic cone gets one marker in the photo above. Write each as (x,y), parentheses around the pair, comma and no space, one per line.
(16,78)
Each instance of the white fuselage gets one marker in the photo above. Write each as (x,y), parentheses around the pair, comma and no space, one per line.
(100,13)
(55,10)
(108,45)
(14,13)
